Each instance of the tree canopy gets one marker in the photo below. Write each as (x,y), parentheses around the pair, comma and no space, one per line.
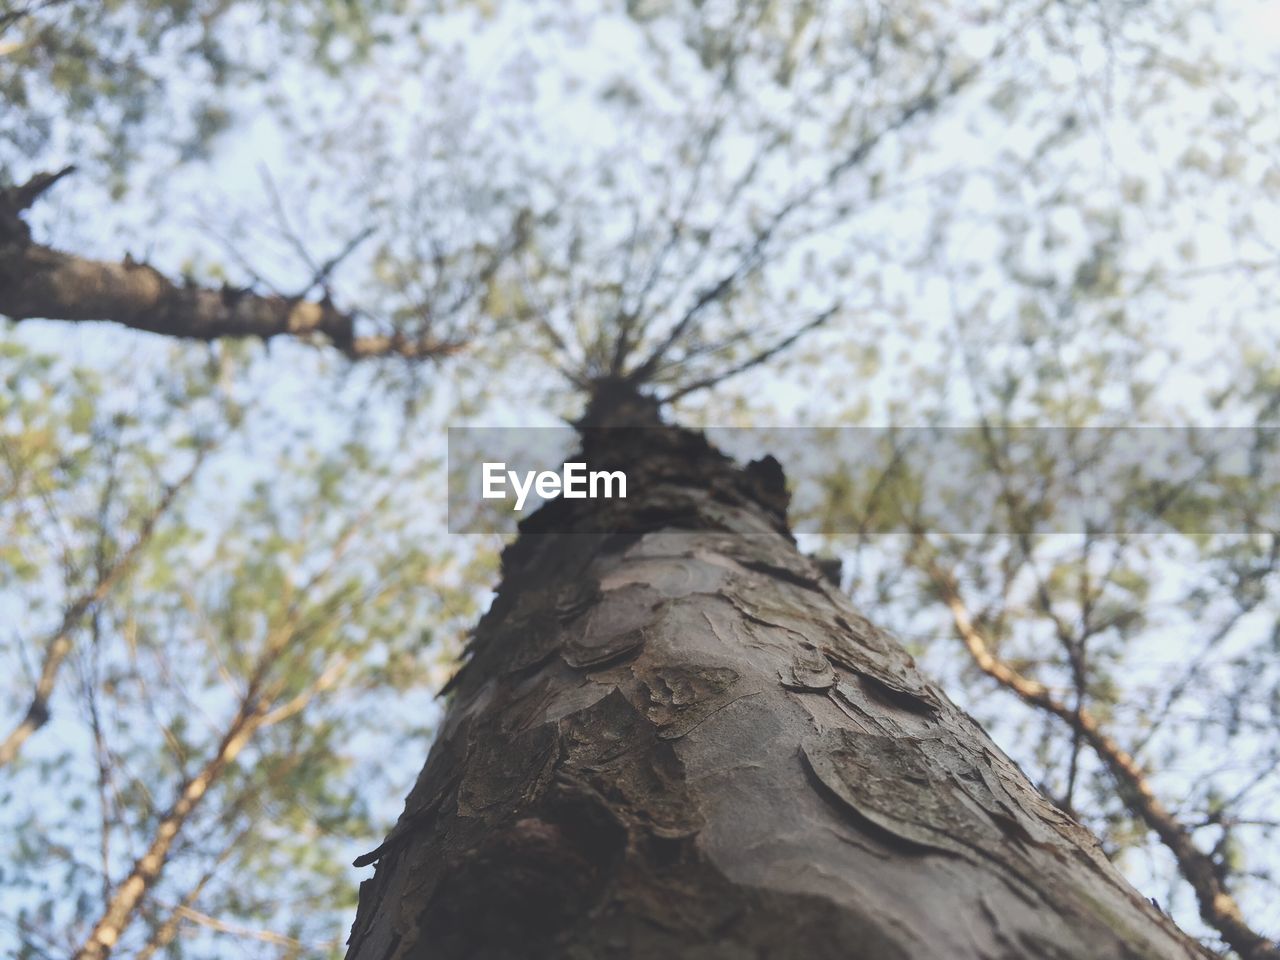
(318,231)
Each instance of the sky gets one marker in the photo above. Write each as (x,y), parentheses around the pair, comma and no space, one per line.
(503,62)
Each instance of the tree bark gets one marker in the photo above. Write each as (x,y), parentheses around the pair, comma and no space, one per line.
(673,738)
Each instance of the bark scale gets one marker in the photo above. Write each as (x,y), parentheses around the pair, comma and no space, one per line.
(676,739)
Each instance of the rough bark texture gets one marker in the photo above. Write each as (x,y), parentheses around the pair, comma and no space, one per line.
(679,740)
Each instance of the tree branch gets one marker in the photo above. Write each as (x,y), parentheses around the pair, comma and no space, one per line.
(754,360)
(259,706)
(58,645)
(147,869)
(221,926)
(1218,907)
(37,281)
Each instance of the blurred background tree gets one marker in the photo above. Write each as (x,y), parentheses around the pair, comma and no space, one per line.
(228,589)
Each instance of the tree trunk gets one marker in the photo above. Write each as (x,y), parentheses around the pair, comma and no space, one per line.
(673,738)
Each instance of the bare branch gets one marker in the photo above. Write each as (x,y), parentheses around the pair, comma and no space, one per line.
(19,199)
(147,869)
(37,281)
(166,932)
(221,926)
(58,645)
(1218,907)
(756,359)
(753,253)
(259,706)
(10,17)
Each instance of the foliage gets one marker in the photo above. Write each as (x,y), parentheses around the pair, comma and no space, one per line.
(297,572)
(927,213)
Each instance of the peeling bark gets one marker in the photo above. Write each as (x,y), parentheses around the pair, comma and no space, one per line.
(681,740)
